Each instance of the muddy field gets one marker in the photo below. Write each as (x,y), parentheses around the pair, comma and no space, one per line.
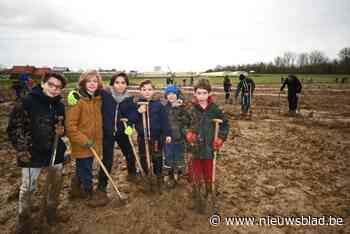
(281,166)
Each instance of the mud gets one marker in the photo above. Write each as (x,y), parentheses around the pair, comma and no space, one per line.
(281,166)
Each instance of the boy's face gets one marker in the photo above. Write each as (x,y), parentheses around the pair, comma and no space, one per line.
(92,84)
(147,91)
(201,95)
(171,97)
(52,87)
(119,84)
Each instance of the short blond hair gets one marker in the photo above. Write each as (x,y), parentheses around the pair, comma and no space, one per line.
(86,75)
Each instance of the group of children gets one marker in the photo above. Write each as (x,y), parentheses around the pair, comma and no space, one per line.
(94,120)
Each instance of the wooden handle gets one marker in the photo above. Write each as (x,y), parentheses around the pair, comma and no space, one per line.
(106,172)
(124,120)
(137,158)
(217,123)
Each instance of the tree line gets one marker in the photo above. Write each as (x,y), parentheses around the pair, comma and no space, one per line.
(314,62)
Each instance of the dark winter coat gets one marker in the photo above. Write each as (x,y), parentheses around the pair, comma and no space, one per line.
(159,122)
(31,128)
(227,85)
(108,113)
(178,120)
(201,124)
(126,110)
(294,86)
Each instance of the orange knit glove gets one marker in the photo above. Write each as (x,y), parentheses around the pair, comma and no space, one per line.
(217,143)
(191,137)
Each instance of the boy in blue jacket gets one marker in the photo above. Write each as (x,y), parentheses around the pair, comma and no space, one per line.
(158,128)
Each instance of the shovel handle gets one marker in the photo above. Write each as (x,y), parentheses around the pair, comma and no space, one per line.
(217,123)
(124,120)
(106,172)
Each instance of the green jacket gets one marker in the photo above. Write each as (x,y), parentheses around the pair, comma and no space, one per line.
(201,123)
(178,120)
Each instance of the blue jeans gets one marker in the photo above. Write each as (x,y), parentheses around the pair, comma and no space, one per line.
(83,169)
(174,157)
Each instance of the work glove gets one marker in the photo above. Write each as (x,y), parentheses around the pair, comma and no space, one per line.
(59,130)
(89,144)
(191,137)
(128,131)
(217,143)
(73,98)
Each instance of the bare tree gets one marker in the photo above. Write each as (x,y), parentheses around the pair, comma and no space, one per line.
(317,57)
(344,55)
(289,59)
(303,59)
(278,61)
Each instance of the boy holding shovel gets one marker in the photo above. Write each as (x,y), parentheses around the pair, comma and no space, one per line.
(152,125)
(33,129)
(84,130)
(202,142)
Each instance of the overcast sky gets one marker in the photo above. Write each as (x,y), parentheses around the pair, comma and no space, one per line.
(184,34)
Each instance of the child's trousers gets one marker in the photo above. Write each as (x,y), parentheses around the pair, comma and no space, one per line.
(83,169)
(174,158)
(29,185)
(201,170)
(155,147)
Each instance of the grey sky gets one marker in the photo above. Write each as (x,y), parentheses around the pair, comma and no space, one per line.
(186,35)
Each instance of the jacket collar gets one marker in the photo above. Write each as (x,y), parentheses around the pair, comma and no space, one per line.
(85,94)
(38,92)
(197,105)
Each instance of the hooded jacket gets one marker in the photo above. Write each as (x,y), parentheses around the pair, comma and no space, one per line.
(202,125)
(31,128)
(159,123)
(83,123)
(178,121)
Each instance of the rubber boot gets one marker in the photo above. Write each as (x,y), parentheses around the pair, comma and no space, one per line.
(75,188)
(198,202)
(211,198)
(159,184)
(23,222)
(99,198)
(208,190)
(53,197)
